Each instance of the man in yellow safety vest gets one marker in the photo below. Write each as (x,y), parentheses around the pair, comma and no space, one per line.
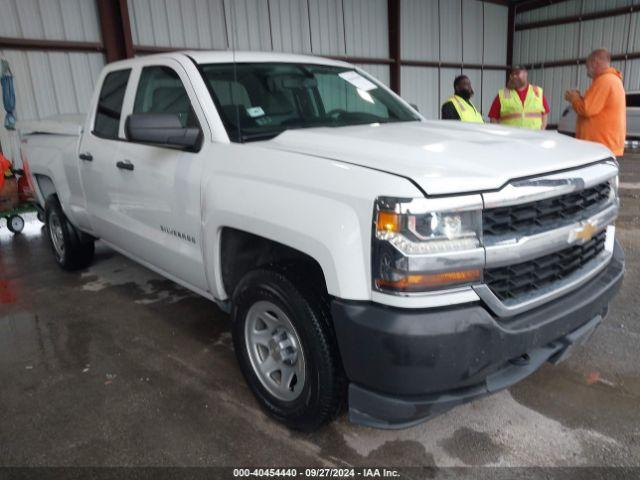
(520,104)
(459,106)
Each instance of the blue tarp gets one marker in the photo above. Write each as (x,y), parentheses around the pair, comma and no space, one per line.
(8,96)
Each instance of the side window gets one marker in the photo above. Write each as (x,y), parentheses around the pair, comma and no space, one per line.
(109,108)
(160,90)
(633,100)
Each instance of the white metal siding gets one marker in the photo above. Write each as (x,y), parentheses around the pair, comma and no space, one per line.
(472,31)
(380,72)
(73,20)
(49,83)
(450,31)
(610,33)
(365,26)
(178,23)
(420,30)
(632,75)
(290,26)
(420,86)
(327,27)
(492,81)
(558,42)
(569,9)
(495,34)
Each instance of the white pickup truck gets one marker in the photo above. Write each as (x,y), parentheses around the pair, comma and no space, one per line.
(367,256)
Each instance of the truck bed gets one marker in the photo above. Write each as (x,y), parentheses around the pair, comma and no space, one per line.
(65,124)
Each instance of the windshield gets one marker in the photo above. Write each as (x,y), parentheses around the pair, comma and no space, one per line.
(258,101)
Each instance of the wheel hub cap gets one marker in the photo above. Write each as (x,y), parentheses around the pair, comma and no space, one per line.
(275,350)
(283,347)
(57,237)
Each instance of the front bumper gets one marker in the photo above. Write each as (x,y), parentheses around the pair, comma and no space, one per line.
(406,366)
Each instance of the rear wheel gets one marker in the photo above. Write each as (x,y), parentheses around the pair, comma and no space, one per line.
(15,224)
(286,348)
(72,249)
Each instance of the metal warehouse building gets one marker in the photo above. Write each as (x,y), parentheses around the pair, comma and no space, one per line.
(319,238)
(56,48)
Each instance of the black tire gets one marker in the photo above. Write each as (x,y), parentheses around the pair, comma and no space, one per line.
(324,390)
(77,248)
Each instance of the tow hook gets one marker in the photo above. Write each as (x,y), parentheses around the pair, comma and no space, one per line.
(520,361)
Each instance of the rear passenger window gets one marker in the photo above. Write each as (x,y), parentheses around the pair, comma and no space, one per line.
(633,100)
(160,90)
(110,104)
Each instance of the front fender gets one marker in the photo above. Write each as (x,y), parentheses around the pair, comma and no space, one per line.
(320,207)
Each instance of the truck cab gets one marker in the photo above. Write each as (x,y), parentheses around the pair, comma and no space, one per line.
(368,257)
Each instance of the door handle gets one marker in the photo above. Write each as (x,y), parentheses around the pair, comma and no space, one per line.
(125,165)
(87,157)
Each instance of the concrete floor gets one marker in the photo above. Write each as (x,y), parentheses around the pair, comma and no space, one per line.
(117,366)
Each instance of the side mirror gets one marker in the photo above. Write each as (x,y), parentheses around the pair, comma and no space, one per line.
(161,129)
(415,107)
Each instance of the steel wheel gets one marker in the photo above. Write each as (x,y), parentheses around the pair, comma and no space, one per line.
(56,234)
(275,350)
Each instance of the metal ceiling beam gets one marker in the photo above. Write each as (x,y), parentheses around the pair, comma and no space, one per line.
(579,18)
(525,6)
(56,45)
(579,61)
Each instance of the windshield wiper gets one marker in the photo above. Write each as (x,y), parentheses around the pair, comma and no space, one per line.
(251,137)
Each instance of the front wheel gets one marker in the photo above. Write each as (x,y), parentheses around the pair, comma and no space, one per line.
(72,249)
(287,351)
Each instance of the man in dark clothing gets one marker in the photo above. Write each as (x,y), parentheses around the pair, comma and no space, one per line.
(459,106)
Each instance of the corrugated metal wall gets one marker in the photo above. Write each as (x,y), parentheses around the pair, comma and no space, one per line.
(468,31)
(460,31)
(619,34)
(329,27)
(434,30)
(570,8)
(355,28)
(50,19)
(49,83)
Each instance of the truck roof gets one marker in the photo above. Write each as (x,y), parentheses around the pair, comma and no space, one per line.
(228,56)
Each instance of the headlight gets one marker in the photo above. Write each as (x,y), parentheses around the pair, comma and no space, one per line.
(426,244)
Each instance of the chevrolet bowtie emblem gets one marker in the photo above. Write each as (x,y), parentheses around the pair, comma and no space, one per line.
(586,232)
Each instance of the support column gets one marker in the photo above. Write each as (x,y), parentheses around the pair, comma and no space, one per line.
(116,29)
(511,29)
(393,16)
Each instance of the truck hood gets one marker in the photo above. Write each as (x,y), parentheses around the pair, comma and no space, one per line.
(444,157)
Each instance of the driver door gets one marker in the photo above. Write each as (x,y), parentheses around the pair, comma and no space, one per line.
(158,200)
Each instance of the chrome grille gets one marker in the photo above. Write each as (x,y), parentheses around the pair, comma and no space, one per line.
(511,281)
(535,217)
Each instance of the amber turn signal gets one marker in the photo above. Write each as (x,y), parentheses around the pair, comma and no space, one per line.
(388,222)
(420,282)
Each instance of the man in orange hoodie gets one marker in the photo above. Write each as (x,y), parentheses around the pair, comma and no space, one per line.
(602,115)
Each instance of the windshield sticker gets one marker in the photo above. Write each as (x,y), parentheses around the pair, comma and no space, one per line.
(254,112)
(358,81)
